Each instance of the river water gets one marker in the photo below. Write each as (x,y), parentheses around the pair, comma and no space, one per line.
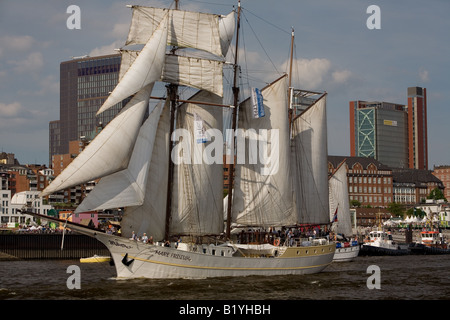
(409,277)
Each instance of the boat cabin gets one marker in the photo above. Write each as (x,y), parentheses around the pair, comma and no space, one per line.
(429,237)
(379,235)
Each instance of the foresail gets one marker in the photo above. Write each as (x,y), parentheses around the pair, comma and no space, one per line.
(197,206)
(263,192)
(339,201)
(309,164)
(187,29)
(127,187)
(146,68)
(111,149)
(150,216)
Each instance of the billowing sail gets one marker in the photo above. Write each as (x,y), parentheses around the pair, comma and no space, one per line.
(197,201)
(187,29)
(146,69)
(150,216)
(309,164)
(127,187)
(111,149)
(263,190)
(339,201)
(226,31)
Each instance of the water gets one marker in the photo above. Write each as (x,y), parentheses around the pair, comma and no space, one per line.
(401,278)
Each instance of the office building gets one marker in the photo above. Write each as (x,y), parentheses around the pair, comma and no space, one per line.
(379,130)
(85,83)
(417,128)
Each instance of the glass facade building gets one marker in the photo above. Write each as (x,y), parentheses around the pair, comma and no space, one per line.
(85,83)
(379,130)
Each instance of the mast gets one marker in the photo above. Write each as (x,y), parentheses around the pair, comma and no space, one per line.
(172,91)
(233,124)
(291,91)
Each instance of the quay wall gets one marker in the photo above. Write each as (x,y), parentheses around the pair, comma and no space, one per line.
(48,246)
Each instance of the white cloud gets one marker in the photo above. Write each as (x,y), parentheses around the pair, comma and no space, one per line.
(424,76)
(107,49)
(341,76)
(18,43)
(33,62)
(10,110)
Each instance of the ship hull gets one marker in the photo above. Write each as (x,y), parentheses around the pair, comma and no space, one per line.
(346,253)
(139,260)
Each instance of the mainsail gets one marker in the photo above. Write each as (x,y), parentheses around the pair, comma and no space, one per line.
(198,176)
(339,201)
(309,164)
(263,189)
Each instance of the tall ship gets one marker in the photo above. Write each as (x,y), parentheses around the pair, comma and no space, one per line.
(163,162)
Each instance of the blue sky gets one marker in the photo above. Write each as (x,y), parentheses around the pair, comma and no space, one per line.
(335,52)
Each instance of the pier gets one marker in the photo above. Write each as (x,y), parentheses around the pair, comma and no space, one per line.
(48,246)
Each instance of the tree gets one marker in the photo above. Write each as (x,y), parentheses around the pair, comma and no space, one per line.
(436,194)
(355,203)
(396,209)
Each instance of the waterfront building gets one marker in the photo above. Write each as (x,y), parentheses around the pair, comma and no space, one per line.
(9,206)
(85,84)
(394,134)
(443,174)
(417,128)
(412,186)
(369,181)
(379,130)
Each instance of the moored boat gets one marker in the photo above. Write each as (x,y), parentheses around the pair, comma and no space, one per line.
(379,242)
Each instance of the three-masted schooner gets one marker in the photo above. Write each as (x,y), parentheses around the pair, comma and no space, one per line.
(166,169)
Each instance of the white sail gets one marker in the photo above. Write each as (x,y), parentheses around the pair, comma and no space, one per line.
(203,74)
(150,216)
(339,201)
(127,187)
(146,69)
(198,179)
(187,29)
(263,192)
(111,149)
(309,164)
(226,31)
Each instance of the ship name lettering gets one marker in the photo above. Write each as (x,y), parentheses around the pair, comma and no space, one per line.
(117,244)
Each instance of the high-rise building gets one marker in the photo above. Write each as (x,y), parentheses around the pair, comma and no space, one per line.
(379,130)
(417,128)
(85,83)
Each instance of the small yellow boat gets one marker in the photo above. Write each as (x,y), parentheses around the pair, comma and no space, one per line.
(95,258)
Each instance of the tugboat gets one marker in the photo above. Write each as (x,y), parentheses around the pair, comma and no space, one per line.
(380,243)
(430,243)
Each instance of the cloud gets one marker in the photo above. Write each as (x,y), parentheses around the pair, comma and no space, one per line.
(33,62)
(10,110)
(424,76)
(317,73)
(107,49)
(18,43)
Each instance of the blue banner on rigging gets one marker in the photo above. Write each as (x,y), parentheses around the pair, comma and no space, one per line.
(258,104)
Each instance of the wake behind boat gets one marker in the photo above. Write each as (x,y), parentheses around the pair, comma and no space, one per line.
(166,169)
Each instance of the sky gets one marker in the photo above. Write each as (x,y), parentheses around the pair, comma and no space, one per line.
(335,51)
